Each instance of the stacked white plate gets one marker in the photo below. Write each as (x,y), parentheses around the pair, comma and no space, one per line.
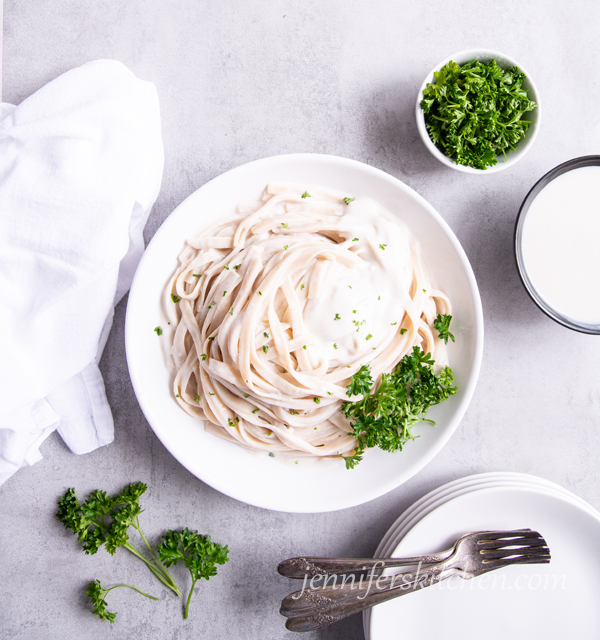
(554,600)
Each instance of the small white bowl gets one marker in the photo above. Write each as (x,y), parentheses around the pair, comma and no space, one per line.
(485,55)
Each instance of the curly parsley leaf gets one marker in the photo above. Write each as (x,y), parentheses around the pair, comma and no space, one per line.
(361,382)
(384,417)
(473,112)
(199,554)
(442,325)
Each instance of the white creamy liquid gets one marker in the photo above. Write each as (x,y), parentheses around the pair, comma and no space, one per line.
(561,244)
(362,307)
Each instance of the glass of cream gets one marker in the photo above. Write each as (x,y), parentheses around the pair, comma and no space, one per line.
(557,244)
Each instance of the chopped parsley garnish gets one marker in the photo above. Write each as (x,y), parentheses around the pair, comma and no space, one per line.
(302,287)
(196,398)
(442,325)
(317,400)
(260,293)
(285,225)
(265,334)
(224,293)
(473,112)
(368,337)
(271,455)
(354,239)
(203,356)
(286,246)
(382,246)
(197,275)
(265,348)
(306,195)
(294,413)
(337,316)
(231,311)
(175,298)
(385,417)
(255,411)
(304,347)
(212,338)
(158,331)
(349,200)
(226,267)
(237,266)
(402,331)
(335,345)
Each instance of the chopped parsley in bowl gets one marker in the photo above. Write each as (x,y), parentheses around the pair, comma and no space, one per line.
(478,111)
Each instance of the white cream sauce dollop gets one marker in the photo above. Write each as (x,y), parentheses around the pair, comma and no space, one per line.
(362,307)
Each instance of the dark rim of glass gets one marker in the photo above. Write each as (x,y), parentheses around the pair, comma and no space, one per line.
(569,165)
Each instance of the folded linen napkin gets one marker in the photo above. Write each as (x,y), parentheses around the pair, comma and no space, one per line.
(81,163)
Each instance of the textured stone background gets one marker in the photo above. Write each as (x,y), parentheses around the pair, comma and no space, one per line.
(240,80)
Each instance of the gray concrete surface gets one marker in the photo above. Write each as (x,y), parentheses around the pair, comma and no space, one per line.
(240,80)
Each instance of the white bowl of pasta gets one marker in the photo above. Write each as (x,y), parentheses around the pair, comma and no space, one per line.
(252,334)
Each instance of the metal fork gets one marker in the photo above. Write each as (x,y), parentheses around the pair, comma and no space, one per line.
(472,555)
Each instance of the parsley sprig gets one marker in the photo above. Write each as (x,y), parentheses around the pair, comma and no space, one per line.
(442,325)
(104,520)
(384,417)
(199,554)
(473,112)
(97,594)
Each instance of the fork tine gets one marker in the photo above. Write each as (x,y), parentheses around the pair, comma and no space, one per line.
(506,562)
(507,553)
(499,535)
(504,542)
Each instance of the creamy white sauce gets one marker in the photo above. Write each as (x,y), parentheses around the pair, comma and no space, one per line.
(362,307)
(561,244)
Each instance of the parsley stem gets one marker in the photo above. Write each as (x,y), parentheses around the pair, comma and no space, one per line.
(187,604)
(131,587)
(162,568)
(155,570)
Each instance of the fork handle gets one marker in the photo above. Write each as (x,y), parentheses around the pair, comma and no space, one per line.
(315,608)
(307,567)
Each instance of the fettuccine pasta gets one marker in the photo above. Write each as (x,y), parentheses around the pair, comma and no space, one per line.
(275,309)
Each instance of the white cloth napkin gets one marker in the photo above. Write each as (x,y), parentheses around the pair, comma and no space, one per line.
(81,163)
